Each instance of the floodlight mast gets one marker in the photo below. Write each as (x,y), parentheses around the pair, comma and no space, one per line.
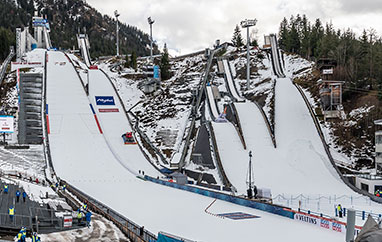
(151,22)
(116,14)
(246,24)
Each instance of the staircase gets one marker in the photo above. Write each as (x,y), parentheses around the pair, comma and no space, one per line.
(30,113)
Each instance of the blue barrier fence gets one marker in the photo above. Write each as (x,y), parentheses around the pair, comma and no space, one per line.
(270,208)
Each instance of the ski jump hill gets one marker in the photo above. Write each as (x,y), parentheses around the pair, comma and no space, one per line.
(87,151)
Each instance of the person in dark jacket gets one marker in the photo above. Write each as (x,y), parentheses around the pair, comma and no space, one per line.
(24,196)
(17,196)
(254,191)
(88,218)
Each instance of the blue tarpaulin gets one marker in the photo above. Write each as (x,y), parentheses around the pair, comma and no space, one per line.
(167,238)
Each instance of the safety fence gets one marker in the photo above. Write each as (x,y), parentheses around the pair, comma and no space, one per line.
(318,202)
(132,230)
(267,207)
(318,219)
(5,65)
(327,150)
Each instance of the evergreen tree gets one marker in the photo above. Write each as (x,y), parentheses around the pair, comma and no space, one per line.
(237,39)
(284,34)
(133,60)
(127,61)
(165,64)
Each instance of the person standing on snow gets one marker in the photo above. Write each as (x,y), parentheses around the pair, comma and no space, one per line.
(339,208)
(88,218)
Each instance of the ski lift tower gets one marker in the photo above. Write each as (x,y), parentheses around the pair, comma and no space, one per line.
(330,89)
(116,14)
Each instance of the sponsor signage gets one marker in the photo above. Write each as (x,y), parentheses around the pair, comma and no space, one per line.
(108,110)
(104,100)
(68,221)
(306,219)
(39,22)
(6,124)
(324,223)
(327,71)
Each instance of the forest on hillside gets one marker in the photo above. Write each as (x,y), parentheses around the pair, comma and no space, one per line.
(359,59)
(359,65)
(67,18)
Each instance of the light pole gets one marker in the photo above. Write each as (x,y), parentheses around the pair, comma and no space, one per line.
(246,24)
(151,36)
(116,14)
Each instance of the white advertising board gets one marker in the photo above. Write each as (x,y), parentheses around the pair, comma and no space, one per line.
(327,72)
(6,124)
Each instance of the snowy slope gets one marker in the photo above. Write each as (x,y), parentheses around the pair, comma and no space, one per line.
(84,51)
(212,103)
(230,81)
(82,157)
(114,124)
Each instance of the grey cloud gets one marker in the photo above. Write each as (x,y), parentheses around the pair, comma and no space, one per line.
(364,6)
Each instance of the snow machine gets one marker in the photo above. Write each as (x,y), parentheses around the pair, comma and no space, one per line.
(128,138)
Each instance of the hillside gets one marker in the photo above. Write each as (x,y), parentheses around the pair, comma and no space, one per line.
(66,18)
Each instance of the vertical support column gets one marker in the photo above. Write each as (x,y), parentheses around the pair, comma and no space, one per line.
(248,59)
(350,225)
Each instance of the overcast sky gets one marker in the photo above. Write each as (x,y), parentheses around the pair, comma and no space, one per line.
(189,25)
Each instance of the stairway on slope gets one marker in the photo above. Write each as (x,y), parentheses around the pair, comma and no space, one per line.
(30,129)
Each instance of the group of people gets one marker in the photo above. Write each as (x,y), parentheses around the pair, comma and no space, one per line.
(22,235)
(84,212)
(11,209)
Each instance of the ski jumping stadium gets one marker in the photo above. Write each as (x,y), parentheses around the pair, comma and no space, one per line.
(83,149)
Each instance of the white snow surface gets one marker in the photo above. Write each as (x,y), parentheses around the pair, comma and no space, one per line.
(82,156)
(114,124)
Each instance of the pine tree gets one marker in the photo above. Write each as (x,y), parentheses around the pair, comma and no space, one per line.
(283,34)
(165,64)
(133,60)
(237,39)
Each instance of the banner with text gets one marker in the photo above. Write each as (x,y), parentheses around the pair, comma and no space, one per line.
(104,100)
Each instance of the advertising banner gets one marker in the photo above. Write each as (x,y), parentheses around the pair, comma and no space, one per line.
(6,124)
(104,100)
(108,110)
(327,71)
(68,220)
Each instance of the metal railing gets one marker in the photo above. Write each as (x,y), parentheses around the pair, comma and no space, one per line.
(128,227)
(5,65)
(196,107)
